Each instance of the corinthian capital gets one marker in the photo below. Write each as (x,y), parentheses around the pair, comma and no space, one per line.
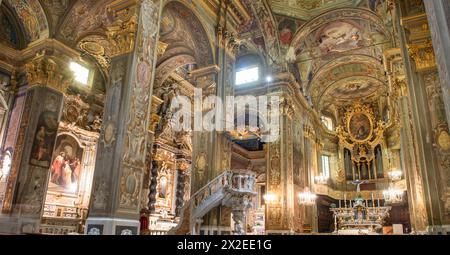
(47,70)
(122,35)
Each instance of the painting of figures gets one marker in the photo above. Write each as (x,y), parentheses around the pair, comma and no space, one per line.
(65,169)
(44,139)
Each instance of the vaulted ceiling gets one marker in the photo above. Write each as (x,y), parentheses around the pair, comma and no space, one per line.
(337,44)
(307,9)
(338,52)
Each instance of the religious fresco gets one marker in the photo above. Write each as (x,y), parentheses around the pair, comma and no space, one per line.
(45,136)
(360,126)
(65,170)
(286,30)
(339,36)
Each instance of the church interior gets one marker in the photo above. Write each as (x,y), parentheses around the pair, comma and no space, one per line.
(88,145)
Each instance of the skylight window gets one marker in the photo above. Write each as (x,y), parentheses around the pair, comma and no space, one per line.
(81,73)
(247,75)
(327,122)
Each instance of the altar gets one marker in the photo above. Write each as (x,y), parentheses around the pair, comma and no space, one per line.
(358,217)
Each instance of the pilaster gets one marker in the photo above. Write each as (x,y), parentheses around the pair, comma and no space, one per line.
(47,77)
(120,161)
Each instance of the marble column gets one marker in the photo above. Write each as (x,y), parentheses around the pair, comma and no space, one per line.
(438,12)
(280,182)
(47,77)
(120,161)
(416,199)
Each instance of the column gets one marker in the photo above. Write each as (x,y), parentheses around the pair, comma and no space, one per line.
(280,213)
(416,199)
(438,12)
(47,78)
(120,161)
(421,77)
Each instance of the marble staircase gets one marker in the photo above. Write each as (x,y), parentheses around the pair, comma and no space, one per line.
(232,188)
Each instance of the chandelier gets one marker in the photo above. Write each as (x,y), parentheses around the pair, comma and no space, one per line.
(321,179)
(393,195)
(395,175)
(307,198)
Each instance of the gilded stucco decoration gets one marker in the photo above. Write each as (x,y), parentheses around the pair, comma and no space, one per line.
(45,70)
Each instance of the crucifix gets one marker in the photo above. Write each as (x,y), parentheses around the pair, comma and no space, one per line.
(358,184)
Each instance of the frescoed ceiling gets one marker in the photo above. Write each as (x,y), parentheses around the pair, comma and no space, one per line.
(306,9)
(339,56)
(336,45)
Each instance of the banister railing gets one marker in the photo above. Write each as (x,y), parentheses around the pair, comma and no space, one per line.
(231,185)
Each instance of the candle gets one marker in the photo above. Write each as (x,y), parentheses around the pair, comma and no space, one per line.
(373,201)
(345,200)
(339,203)
(379,205)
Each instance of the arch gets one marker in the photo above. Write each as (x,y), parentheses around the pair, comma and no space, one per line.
(341,14)
(82,19)
(372,85)
(12,32)
(72,136)
(345,59)
(267,24)
(164,69)
(32,18)
(344,71)
(183,31)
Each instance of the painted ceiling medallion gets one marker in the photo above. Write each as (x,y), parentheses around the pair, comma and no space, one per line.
(92,48)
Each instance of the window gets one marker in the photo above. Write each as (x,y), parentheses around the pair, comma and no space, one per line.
(81,73)
(248,75)
(326,166)
(328,122)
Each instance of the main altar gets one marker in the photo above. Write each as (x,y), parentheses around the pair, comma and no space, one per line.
(359,216)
